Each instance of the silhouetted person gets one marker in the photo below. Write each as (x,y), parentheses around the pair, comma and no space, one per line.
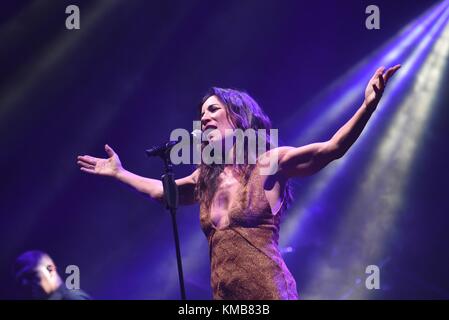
(37,278)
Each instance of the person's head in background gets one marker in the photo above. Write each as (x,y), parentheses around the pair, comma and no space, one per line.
(36,275)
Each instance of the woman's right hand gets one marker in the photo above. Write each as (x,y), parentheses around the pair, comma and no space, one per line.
(105,167)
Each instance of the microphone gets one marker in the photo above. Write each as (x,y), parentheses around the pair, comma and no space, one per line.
(197,133)
(163,149)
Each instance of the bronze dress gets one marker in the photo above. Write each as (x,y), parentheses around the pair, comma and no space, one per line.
(245,260)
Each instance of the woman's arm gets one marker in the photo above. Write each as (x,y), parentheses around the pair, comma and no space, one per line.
(311,158)
(148,186)
(152,187)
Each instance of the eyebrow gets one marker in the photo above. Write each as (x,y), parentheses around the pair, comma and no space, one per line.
(211,105)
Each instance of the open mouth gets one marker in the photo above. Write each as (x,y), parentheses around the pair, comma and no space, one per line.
(208,130)
(209,127)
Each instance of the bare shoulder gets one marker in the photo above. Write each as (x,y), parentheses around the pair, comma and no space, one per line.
(277,153)
(269,161)
(194,176)
(190,179)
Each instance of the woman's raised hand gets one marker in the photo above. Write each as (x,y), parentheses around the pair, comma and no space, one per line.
(105,167)
(376,85)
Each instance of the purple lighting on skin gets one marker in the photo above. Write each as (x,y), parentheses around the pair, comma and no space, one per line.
(345,92)
(431,24)
(398,90)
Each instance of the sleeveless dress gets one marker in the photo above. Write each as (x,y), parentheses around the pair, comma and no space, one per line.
(245,260)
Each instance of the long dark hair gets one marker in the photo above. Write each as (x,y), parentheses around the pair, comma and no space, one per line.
(243,112)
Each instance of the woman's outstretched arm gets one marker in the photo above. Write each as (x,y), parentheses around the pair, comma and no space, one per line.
(311,158)
(112,167)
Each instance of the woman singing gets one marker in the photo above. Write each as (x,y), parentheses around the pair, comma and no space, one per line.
(240,206)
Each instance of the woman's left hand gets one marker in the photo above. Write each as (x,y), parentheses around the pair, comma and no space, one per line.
(376,85)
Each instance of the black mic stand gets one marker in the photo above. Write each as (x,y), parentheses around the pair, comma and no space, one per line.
(171,199)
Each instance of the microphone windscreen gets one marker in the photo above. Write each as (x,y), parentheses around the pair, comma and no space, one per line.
(197,133)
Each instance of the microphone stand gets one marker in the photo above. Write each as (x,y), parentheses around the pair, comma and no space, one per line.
(171,199)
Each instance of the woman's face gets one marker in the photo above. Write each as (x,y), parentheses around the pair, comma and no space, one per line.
(214,120)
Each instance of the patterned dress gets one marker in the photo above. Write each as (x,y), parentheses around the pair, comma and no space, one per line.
(245,260)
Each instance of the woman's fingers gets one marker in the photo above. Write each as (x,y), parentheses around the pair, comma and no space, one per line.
(109,150)
(396,67)
(88,159)
(376,74)
(85,164)
(379,70)
(381,81)
(87,170)
(383,76)
(391,71)
(86,167)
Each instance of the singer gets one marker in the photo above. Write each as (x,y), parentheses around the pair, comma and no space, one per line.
(241,208)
